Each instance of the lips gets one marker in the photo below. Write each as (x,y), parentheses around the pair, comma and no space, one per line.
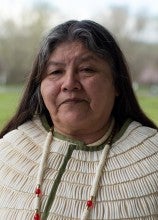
(73,100)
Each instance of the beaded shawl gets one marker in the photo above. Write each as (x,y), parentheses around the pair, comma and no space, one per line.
(128,188)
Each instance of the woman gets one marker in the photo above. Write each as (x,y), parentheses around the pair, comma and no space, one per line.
(79,146)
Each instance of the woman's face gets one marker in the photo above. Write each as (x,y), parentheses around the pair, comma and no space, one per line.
(78,89)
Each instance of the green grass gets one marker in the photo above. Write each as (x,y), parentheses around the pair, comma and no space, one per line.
(8,103)
(10,97)
(148,99)
(149,105)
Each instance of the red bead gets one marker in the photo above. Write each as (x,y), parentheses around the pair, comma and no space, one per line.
(38,191)
(37,216)
(89,204)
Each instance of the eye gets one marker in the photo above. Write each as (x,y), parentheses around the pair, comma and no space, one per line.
(55,72)
(87,70)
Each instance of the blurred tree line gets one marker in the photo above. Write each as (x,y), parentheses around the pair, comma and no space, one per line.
(135,36)
(19,41)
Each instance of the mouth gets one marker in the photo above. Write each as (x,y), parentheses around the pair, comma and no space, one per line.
(73,101)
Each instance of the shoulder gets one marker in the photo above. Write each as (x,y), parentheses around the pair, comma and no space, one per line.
(133,137)
(134,129)
(135,152)
(30,130)
(21,148)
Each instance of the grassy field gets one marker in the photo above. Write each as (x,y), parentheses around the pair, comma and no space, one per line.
(150,106)
(10,97)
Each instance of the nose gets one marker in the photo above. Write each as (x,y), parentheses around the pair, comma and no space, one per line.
(71,81)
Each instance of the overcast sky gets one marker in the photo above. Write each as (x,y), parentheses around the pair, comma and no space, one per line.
(80,9)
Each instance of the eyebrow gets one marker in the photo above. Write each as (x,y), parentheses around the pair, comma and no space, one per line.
(54,63)
(87,58)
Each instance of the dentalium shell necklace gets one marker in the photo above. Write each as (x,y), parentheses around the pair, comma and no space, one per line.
(90,203)
(40,175)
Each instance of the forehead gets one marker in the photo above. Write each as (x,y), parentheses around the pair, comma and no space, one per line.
(71,51)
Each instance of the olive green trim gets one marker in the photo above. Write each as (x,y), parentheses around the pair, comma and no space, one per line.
(56,182)
(45,122)
(78,145)
(67,138)
(81,145)
(119,134)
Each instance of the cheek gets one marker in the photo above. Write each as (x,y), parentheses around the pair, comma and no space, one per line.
(102,95)
(95,90)
(44,91)
(48,93)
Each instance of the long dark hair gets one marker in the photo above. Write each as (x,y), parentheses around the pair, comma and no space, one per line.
(97,39)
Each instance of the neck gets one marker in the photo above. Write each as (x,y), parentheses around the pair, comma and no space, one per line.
(90,137)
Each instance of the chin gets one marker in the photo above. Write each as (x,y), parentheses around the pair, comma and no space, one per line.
(74,116)
(73,122)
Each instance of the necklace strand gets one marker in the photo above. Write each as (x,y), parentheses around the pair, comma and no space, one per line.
(90,203)
(40,174)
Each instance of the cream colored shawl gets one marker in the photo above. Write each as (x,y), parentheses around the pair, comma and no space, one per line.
(128,188)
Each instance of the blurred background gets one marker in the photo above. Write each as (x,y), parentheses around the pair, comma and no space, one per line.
(23,23)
